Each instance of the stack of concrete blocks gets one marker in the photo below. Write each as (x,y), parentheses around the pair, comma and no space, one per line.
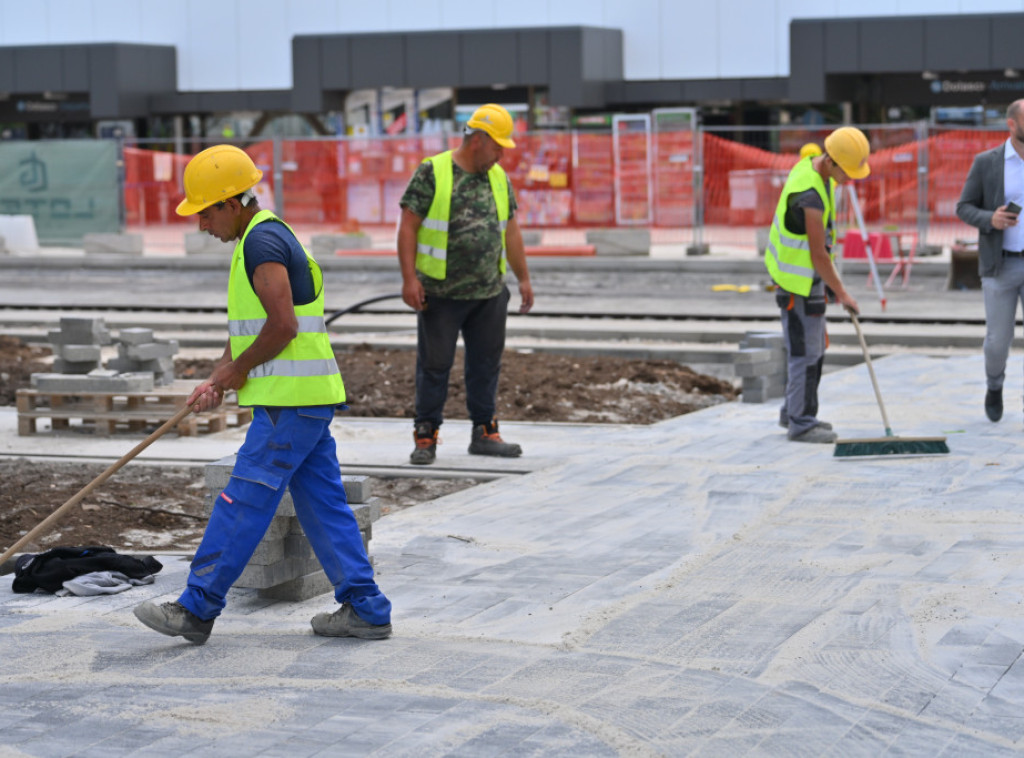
(324,245)
(77,345)
(139,351)
(284,566)
(100,242)
(532,237)
(620,241)
(202,243)
(761,364)
(97,380)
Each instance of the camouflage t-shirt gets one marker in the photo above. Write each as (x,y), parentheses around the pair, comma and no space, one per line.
(474,233)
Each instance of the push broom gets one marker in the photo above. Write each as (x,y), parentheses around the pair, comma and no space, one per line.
(889,444)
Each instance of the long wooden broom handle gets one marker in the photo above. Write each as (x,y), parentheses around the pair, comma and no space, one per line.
(52,519)
(871,371)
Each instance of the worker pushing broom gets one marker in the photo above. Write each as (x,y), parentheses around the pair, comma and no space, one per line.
(800,260)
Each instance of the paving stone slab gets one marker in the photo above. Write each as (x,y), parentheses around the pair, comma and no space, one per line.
(135,335)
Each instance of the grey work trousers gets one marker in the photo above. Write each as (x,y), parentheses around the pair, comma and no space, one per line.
(1002,293)
(803,327)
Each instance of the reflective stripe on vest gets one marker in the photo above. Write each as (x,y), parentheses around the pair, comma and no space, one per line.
(432,236)
(788,255)
(305,372)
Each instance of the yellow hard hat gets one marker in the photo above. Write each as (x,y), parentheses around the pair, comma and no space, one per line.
(494,120)
(849,148)
(214,175)
(810,149)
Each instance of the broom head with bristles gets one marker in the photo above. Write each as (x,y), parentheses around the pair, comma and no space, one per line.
(891,446)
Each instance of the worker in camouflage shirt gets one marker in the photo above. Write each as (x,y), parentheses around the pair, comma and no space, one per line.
(456,235)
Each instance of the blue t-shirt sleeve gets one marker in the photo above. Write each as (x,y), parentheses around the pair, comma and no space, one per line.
(271,242)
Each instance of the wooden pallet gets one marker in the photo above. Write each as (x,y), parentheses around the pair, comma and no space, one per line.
(107,413)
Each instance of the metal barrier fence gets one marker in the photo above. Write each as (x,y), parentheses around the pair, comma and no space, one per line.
(692,184)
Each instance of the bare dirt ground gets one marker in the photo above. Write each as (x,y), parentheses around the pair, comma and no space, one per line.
(164,508)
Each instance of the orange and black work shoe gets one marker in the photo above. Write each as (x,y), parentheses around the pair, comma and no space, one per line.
(487,441)
(426,439)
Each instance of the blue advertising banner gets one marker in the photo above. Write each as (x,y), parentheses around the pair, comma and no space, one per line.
(69,187)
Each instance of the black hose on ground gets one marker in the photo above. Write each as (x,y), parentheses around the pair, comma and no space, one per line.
(359,305)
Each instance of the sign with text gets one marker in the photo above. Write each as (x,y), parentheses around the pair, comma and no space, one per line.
(69,187)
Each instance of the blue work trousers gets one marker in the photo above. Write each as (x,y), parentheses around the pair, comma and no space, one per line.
(293,448)
(482,324)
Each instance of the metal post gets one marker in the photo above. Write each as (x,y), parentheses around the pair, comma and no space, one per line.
(122,211)
(179,135)
(921,134)
(698,185)
(278,178)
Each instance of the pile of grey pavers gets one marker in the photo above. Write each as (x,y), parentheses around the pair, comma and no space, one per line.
(143,361)
(138,350)
(284,566)
(761,364)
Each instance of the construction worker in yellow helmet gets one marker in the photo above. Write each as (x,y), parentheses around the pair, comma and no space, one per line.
(458,233)
(799,259)
(810,150)
(279,359)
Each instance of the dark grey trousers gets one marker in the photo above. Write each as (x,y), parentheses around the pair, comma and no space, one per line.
(803,326)
(482,325)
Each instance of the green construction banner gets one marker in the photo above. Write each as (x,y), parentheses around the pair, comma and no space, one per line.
(69,187)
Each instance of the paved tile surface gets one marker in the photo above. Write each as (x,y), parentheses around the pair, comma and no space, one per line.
(699,587)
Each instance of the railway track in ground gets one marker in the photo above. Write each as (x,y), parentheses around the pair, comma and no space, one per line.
(695,311)
(689,337)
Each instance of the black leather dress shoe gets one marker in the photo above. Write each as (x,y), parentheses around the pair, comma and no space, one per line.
(994,404)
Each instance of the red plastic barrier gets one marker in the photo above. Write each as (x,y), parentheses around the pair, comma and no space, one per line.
(853,246)
(567,180)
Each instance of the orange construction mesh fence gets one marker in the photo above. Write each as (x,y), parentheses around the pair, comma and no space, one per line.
(568,179)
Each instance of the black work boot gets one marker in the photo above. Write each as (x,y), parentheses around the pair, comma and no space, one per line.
(487,441)
(994,404)
(425,435)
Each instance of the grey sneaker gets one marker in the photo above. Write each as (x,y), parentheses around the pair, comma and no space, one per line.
(819,434)
(426,439)
(345,623)
(487,441)
(174,620)
(784,422)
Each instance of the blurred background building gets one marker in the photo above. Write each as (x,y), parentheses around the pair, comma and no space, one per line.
(246,68)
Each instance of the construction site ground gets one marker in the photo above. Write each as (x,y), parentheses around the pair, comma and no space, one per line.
(147,507)
(697,586)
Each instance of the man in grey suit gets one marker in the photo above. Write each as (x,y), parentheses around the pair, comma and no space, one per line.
(991,201)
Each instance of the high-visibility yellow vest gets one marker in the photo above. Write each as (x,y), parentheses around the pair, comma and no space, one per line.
(432,237)
(306,371)
(788,257)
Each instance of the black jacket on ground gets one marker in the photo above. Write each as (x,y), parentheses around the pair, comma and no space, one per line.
(48,571)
